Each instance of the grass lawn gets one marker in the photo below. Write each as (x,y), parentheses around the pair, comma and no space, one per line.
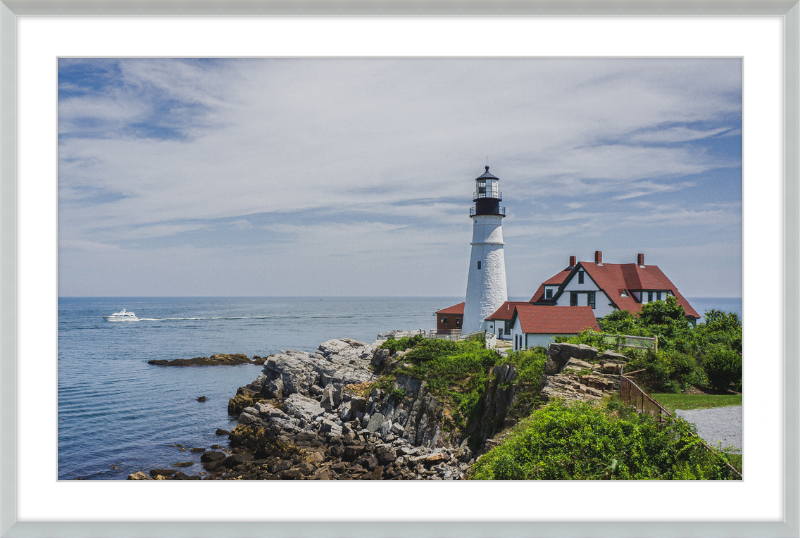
(696,401)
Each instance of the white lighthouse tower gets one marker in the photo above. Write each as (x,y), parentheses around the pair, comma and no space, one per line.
(486,283)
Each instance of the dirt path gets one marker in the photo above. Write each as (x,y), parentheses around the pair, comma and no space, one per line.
(721,425)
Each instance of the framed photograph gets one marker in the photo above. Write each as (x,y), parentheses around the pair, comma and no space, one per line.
(161,113)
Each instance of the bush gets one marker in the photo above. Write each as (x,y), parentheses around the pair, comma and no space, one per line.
(584,442)
(667,371)
(400,345)
(724,369)
(683,349)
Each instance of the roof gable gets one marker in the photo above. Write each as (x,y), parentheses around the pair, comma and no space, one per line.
(614,278)
(506,311)
(543,319)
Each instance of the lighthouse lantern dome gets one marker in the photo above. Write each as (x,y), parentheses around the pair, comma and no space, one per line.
(487,195)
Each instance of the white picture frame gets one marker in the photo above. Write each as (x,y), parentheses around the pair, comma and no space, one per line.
(11,526)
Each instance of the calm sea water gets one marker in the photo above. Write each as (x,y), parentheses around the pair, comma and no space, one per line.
(117,414)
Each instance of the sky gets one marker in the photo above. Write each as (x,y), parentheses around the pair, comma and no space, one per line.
(354,177)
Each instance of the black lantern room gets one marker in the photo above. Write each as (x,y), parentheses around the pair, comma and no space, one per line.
(487,196)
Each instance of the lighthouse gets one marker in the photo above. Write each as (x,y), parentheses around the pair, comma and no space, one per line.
(486,282)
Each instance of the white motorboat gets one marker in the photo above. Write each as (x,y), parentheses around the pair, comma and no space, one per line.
(121,316)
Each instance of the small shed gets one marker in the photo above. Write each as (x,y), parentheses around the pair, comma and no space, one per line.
(449,320)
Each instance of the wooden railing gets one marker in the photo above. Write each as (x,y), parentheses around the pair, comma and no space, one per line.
(635,342)
(634,396)
(452,334)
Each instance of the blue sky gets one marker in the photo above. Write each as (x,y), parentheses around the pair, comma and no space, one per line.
(355,176)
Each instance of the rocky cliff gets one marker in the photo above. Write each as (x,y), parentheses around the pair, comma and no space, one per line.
(322,415)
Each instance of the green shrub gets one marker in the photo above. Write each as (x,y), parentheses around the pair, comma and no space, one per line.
(667,371)
(683,349)
(400,345)
(584,442)
(724,369)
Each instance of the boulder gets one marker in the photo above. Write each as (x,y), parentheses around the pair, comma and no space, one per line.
(201,399)
(274,388)
(290,474)
(302,407)
(375,422)
(330,427)
(379,358)
(578,364)
(385,428)
(183,464)
(345,411)
(212,460)
(397,429)
(352,452)
(331,396)
(139,475)
(609,355)
(385,454)
(238,459)
(358,404)
(332,346)
(586,353)
(162,472)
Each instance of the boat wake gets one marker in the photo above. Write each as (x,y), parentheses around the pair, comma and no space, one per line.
(209,318)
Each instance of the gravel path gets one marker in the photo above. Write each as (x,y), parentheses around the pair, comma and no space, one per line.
(719,424)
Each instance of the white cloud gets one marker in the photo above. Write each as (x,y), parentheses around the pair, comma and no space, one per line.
(402,139)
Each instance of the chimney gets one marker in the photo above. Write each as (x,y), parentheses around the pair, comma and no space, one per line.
(640,260)
(598,257)
(572,261)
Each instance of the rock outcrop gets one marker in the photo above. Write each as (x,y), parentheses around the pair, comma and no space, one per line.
(219,359)
(321,416)
(578,372)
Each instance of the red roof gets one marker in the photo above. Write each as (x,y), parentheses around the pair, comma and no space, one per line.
(506,311)
(556,280)
(455,309)
(542,319)
(614,278)
(559,278)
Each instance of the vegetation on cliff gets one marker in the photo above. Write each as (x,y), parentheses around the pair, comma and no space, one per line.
(582,441)
(458,373)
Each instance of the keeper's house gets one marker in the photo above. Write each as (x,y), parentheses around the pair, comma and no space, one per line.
(538,325)
(605,287)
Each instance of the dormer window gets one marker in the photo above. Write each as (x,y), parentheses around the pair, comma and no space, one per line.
(623,294)
(580,277)
(548,294)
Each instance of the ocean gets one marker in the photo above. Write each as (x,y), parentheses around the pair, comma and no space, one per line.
(117,414)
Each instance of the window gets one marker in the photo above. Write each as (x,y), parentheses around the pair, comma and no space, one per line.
(444,320)
(591,299)
(458,322)
(573,298)
(649,296)
(548,294)
(580,277)
(658,296)
(479,264)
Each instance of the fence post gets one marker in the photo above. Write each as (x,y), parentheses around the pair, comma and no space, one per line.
(655,344)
